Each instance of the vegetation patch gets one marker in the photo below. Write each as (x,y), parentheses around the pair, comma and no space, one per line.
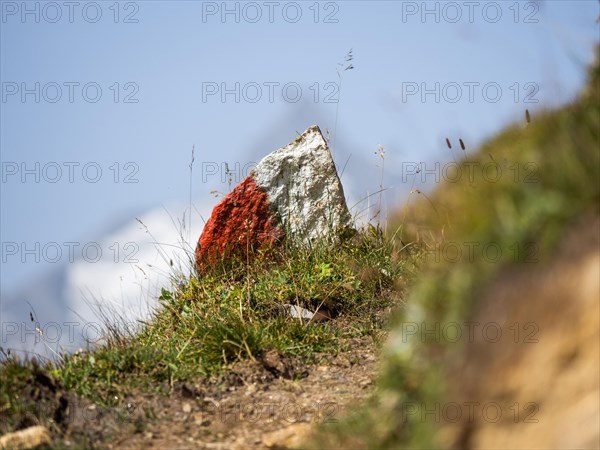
(208,324)
(551,178)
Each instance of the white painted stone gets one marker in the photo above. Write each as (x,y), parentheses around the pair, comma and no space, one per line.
(297,312)
(303,186)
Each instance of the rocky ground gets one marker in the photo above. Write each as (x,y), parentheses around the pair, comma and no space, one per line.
(271,402)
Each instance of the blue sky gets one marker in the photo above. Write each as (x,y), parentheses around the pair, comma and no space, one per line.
(160,56)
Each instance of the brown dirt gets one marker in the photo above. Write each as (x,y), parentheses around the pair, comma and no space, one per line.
(546,379)
(267,403)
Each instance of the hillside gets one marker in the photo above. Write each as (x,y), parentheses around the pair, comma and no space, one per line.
(499,343)
(220,365)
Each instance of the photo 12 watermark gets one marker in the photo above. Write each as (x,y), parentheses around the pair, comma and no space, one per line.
(71,172)
(271,12)
(486,252)
(269,92)
(470,12)
(230,173)
(481,252)
(68,252)
(70,12)
(470,332)
(453,412)
(69,92)
(471,171)
(469,92)
(33,331)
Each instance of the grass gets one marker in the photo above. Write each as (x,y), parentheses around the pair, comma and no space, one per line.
(208,323)
(524,216)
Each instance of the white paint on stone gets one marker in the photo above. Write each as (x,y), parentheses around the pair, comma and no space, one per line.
(303,186)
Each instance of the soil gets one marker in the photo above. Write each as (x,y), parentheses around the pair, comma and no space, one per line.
(270,402)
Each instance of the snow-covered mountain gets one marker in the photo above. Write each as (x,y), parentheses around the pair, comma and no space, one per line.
(69,305)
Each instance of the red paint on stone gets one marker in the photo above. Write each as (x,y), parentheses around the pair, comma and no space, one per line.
(243,221)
